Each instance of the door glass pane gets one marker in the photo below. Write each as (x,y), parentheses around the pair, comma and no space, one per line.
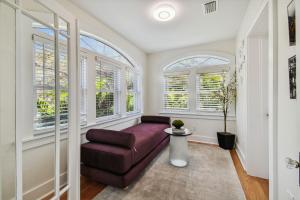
(37,89)
(64,103)
(39,11)
(63,26)
(7,102)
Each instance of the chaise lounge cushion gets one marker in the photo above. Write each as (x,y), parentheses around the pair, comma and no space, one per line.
(155,119)
(119,138)
(147,136)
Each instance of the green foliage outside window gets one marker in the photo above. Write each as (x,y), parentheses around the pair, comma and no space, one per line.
(46,108)
(104,104)
(104,100)
(130,103)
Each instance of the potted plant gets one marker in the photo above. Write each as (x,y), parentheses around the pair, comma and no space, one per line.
(178,124)
(226,96)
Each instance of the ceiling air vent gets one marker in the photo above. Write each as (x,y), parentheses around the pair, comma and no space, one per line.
(210,7)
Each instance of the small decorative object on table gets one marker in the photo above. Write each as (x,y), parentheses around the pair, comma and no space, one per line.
(178,124)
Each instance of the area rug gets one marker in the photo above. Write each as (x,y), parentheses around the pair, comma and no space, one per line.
(210,175)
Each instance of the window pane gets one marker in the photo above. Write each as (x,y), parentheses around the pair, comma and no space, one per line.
(96,46)
(131,87)
(83,87)
(130,102)
(176,101)
(176,92)
(107,87)
(44,80)
(198,61)
(104,104)
(39,11)
(207,85)
(64,79)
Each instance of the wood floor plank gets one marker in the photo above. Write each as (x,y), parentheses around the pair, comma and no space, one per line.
(255,188)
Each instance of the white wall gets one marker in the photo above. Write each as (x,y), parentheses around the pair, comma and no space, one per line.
(205,128)
(288,109)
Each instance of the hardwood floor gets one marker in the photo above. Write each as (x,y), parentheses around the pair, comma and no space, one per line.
(254,188)
(88,190)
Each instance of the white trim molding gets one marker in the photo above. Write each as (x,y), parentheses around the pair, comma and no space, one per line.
(190,115)
(203,139)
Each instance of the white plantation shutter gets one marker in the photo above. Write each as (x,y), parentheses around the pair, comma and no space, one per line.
(207,85)
(176,92)
(44,83)
(83,88)
(107,89)
(131,90)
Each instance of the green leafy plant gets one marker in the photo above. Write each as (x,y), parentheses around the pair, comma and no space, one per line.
(226,95)
(177,124)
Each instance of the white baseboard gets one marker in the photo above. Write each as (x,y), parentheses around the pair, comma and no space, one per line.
(203,139)
(44,189)
(241,156)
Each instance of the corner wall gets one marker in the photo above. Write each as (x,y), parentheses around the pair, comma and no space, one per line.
(204,127)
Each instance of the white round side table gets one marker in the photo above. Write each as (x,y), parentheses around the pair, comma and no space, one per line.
(178,147)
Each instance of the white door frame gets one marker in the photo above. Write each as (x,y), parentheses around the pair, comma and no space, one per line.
(273,91)
(273,98)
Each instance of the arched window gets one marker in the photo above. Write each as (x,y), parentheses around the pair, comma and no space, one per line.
(190,83)
(113,73)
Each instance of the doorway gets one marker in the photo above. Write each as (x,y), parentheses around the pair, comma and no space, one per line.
(257,150)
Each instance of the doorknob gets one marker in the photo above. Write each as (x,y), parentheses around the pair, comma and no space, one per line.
(292,164)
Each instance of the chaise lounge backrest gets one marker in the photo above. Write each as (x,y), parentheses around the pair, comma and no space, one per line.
(155,119)
(118,138)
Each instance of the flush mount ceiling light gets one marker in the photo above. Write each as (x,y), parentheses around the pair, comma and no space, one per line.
(164,13)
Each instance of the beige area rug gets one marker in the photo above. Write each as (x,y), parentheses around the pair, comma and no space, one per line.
(210,175)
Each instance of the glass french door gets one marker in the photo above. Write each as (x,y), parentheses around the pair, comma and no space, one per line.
(40,133)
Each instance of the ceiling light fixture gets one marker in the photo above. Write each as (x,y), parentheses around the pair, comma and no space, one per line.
(164,13)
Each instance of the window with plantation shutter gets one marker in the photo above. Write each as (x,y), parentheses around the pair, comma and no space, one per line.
(107,89)
(176,92)
(207,85)
(131,91)
(83,88)
(44,83)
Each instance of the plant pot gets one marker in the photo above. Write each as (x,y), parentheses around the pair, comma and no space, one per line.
(226,140)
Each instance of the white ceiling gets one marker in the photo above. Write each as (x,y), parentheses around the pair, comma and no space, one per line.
(133,19)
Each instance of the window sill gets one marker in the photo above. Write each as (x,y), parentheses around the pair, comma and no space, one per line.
(110,122)
(191,115)
(47,136)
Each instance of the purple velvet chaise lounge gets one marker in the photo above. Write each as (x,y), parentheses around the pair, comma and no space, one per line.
(117,158)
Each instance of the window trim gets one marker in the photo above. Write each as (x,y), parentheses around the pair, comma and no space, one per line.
(193,111)
(106,119)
